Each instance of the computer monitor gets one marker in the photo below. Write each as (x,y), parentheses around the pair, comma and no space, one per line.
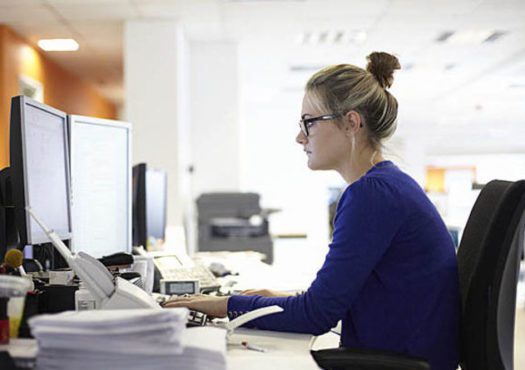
(39,157)
(149,205)
(101,185)
(156,194)
(140,233)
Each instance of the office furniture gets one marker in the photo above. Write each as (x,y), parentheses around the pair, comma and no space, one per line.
(283,351)
(488,262)
(489,275)
(224,224)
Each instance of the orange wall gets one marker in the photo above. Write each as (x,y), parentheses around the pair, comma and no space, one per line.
(62,89)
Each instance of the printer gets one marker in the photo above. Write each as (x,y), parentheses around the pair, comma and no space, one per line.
(231,221)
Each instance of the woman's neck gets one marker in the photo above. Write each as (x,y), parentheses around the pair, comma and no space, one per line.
(360,164)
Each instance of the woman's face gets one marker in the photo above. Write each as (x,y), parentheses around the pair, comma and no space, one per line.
(326,146)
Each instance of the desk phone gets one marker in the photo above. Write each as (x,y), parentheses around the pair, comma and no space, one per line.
(173,267)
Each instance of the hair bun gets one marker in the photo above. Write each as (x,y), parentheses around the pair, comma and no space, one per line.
(382,66)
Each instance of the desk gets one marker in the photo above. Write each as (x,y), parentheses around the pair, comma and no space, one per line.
(283,350)
(23,350)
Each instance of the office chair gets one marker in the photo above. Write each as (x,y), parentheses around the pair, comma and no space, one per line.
(488,262)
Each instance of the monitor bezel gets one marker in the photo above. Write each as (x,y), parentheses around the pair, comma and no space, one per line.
(74,120)
(19,171)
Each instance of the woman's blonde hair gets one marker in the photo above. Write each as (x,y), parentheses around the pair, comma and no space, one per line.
(344,87)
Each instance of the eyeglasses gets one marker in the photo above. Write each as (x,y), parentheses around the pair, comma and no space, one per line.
(306,123)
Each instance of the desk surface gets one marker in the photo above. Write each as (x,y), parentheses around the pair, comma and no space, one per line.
(283,350)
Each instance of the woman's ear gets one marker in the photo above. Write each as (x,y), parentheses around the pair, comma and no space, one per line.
(352,122)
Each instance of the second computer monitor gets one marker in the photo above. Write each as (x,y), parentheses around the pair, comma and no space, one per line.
(149,205)
(156,191)
(101,185)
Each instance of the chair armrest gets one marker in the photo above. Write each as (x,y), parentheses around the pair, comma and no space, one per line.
(366,359)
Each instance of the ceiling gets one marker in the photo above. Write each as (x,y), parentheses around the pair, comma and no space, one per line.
(482,75)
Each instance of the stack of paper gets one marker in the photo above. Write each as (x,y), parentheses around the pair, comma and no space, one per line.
(204,349)
(126,339)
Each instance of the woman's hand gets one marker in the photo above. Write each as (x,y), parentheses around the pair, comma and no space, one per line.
(210,305)
(266,293)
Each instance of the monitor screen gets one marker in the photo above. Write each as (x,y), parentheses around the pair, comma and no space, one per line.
(156,188)
(149,205)
(139,205)
(101,185)
(40,169)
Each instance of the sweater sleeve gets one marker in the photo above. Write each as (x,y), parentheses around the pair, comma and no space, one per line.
(368,217)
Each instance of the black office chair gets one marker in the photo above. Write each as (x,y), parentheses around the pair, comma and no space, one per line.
(488,261)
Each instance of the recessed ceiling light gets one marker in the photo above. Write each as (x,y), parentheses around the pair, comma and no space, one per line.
(261,1)
(338,37)
(331,37)
(444,36)
(495,36)
(58,45)
(469,37)
(357,37)
(305,68)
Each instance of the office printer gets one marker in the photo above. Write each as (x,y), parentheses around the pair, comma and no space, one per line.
(233,222)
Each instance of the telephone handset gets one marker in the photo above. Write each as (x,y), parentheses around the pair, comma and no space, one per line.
(113,293)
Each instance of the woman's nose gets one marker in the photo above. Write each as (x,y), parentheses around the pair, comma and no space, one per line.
(300,138)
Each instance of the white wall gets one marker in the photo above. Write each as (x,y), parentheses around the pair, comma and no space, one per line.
(243,105)
(214,114)
(273,164)
(154,62)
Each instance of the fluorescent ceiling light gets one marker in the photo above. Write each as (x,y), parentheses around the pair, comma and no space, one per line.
(495,36)
(357,37)
(331,37)
(261,1)
(58,45)
(469,37)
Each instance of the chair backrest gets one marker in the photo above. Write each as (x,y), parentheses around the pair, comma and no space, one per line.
(488,262)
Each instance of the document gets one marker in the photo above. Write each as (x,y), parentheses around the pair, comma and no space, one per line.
(126,339)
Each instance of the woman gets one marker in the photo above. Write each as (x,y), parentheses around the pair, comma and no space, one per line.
(390,274)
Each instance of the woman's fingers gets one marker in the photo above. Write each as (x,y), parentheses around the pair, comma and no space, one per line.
(180,301)
(213,306)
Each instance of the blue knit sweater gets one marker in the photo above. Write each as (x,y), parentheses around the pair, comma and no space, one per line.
(390,275)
